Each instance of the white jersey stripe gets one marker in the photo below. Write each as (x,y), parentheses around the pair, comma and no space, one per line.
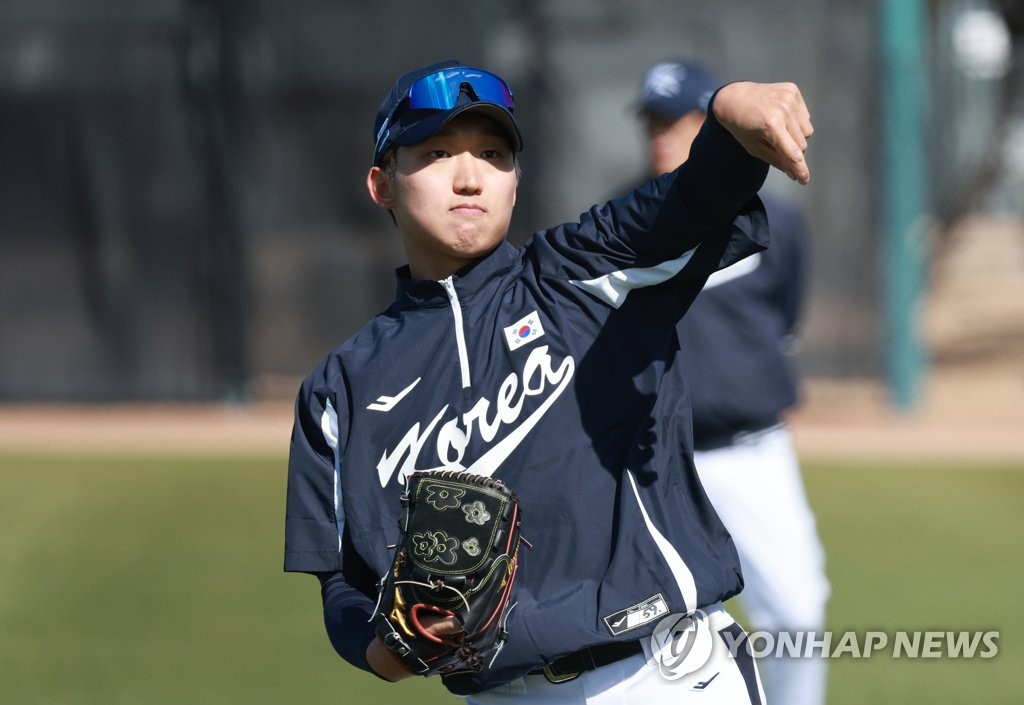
(734,271)
(613,288)
(329,427)
(680,571)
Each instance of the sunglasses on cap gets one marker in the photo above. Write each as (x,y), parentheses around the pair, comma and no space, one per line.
(420,110)
(440,90)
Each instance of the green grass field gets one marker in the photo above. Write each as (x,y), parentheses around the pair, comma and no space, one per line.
(158,580)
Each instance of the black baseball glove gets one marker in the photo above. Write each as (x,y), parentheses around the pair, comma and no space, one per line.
(456,557)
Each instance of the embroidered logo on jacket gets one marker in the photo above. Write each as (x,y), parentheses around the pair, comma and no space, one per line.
(540,379)
(638,615)
(524,331)
(386,403)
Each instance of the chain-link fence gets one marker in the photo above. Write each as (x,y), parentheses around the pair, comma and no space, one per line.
(182,206)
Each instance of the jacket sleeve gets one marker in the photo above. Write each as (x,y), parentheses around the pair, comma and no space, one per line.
(347,618)
(676,229)
(719,176)
(314,514)
(317,539)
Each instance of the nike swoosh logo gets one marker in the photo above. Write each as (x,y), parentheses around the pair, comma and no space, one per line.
(385,403)
(704,684)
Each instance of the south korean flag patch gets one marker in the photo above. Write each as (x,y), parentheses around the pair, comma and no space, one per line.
(524,331)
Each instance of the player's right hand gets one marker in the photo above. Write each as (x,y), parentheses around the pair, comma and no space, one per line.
(771,121)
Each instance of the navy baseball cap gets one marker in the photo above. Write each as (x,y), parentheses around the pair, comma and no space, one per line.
(422,101)
(673,88)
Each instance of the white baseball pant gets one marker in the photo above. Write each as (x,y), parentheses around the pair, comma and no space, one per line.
(655,677)
(756,488)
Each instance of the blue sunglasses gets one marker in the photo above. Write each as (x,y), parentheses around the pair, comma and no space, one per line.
(440,90)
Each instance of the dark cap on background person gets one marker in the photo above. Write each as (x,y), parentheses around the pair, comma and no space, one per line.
(671,89)
(422,101)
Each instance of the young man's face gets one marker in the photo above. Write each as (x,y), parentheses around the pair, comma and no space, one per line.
(452,195)
(668,140)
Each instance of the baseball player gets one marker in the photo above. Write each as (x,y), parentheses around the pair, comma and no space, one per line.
(737,339)
(555,368)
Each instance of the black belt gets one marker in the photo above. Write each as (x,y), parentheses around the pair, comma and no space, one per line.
(572,665)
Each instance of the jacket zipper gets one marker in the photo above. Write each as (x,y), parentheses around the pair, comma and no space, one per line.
(460,334)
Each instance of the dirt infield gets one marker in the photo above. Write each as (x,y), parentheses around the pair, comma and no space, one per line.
(972,417)
(163,428)
(961,419)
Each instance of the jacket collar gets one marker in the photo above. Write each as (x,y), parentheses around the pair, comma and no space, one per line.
(421,293)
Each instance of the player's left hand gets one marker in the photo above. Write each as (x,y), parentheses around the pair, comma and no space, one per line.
(770,121)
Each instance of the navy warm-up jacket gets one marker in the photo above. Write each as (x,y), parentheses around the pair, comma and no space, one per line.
(555,367)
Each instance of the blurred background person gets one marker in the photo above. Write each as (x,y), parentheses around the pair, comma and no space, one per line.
(738,343)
